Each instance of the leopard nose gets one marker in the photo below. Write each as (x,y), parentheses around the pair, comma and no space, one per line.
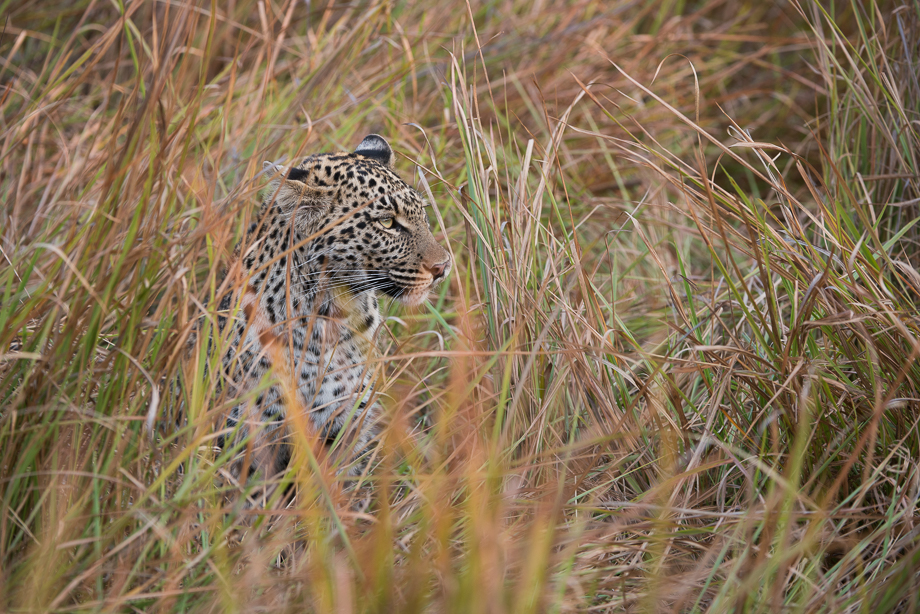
(439,270)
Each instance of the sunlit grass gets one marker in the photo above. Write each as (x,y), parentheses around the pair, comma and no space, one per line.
(675,367)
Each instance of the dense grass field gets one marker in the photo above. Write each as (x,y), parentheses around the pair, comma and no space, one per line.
(676,367)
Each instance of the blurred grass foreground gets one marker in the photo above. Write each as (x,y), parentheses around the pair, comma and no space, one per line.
(676,367)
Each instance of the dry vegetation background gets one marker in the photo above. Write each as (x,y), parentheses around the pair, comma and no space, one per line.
(675,367)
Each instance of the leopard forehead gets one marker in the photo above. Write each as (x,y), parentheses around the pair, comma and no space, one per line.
(357,181)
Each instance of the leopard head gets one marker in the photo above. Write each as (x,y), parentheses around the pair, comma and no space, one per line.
(368,229)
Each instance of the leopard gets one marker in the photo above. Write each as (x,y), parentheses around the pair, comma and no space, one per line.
(335,234)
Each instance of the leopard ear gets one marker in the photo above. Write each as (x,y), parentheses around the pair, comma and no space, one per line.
(293,174)
(272,168)
(289,190)
(376,147)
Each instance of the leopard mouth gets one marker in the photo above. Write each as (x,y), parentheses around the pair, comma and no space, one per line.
(408,294)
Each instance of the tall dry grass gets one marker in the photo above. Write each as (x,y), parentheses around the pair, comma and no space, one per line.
(675,367)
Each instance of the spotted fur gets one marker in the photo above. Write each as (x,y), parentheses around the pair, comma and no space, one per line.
(334,232)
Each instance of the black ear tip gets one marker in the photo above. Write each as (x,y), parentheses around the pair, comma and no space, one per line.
(376,147)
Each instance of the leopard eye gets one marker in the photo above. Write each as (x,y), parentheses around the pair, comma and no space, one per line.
(386,222)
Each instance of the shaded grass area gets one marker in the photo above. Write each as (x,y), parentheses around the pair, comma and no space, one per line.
(675,367)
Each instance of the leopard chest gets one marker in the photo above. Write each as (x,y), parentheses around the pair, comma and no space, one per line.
(317,348)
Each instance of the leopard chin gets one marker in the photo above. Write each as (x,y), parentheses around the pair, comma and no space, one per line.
(410,296)
(414,298)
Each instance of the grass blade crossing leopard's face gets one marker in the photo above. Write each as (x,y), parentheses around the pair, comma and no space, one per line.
(333,233)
